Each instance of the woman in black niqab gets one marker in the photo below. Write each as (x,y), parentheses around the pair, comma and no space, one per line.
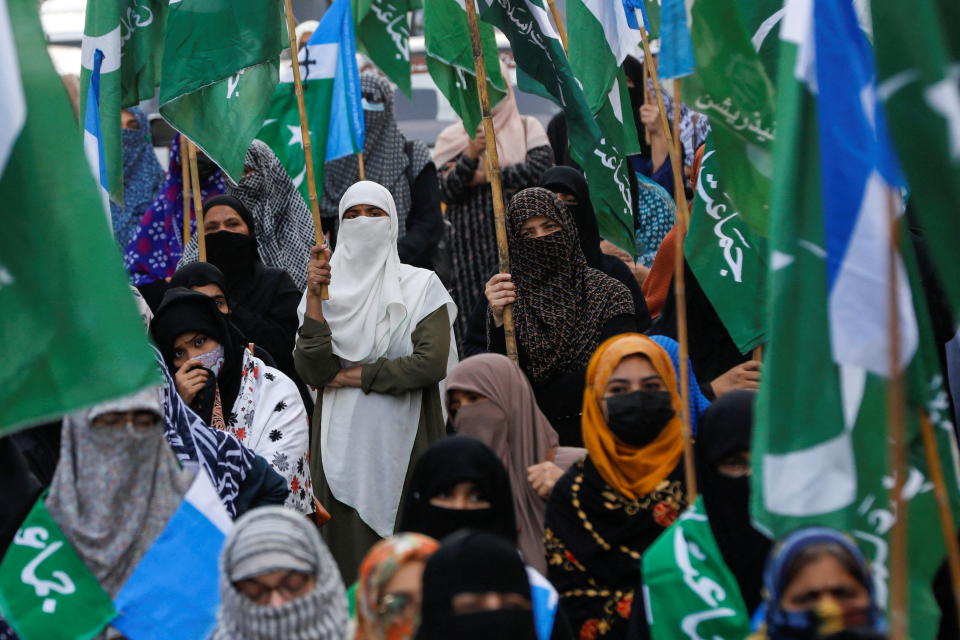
(722,449)
(469,567)
(445,464)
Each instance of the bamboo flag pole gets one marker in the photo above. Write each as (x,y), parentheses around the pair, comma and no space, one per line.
(360,166)
(305,134)
(561,30)
(197,201)
(185,188)
(679,285)
(896,424)
(493,170)
(935,468)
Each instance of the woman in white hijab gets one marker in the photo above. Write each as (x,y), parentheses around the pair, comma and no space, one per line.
(379,349)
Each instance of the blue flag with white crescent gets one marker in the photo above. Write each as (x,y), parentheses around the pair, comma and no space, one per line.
(176,585)
(861,182)
(347,132)
(676,47)
(92,133)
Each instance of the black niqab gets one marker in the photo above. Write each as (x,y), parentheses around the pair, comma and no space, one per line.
(725,429)
(571,182)
(474,562)
(448,462)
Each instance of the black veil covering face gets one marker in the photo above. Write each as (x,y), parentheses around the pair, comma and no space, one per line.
(473,562)
(234,254)
(446,463)
(725,431)
(570,181)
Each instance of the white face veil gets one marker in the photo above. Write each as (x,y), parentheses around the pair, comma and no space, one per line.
(375,305)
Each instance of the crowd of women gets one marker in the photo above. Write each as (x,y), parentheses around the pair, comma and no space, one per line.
(392,474)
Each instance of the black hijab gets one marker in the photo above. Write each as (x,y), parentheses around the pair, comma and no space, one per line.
(198,274)
(725,429)
(633,69)
(571,182)
(446,463)
(474,562)
(234,254)
(184,310)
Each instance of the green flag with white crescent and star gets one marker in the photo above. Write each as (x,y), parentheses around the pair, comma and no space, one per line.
(917,46)
(71,332)
(220,66)
(129,33)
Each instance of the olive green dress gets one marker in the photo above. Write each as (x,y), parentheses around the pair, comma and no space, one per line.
(348,537)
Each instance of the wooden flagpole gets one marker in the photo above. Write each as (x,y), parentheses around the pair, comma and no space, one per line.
(896,424)
(185,188)
(935,468)
(679,285)
(361,169)
(197,201)
(493,170)
(305,134)
(561,30)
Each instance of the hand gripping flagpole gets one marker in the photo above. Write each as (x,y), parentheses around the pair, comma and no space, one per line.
(679,284)
(493,170)
(305,133)
(197,201)
(185,188)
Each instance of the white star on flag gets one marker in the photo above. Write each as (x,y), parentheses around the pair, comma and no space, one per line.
(944,98)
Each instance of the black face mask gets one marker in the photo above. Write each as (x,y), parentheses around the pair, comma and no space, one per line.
(637,418)
(233,253)
(441,522)
(503,624)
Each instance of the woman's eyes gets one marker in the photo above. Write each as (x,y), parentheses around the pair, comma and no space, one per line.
(178,353)
(653,386)
(617,389)
(198,342)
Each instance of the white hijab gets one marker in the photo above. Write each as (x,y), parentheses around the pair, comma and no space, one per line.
(375,305)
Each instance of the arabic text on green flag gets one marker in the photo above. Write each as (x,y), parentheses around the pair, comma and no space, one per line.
(220,65)
(688,589)
(46,591)
(383,33)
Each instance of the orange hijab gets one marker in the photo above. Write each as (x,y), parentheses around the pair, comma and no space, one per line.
(632,471)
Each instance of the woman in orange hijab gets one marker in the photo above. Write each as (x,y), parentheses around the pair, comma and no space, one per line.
(606,510)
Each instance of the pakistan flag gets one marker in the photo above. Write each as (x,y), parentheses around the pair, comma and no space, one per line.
(220,65)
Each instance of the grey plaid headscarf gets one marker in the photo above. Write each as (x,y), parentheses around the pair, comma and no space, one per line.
(283,225)
(270,539)
(385,158)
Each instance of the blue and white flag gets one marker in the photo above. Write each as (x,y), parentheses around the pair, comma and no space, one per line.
(861,182)
(93,134)
(336,32)
(676,47)
(545,601)
(176,584)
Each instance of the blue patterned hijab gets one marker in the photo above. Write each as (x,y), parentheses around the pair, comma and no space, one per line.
(698,402)
(142,175)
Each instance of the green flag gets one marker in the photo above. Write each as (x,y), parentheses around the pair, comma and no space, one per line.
(71,331)
(917,49)
(825,461)
(46,591)
(733,88)
(594,146)
(688,589)
(727,257)
(220,65)
(383,33)
(130,35)
(450,59)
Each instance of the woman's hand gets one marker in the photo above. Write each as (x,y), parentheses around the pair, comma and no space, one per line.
(743,376)
(190,379)
(500,292)
(650,115)
(349,377)
(318,269)
(477,145)
(542,477)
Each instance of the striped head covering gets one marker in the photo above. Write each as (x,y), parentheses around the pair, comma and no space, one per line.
(271,539)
